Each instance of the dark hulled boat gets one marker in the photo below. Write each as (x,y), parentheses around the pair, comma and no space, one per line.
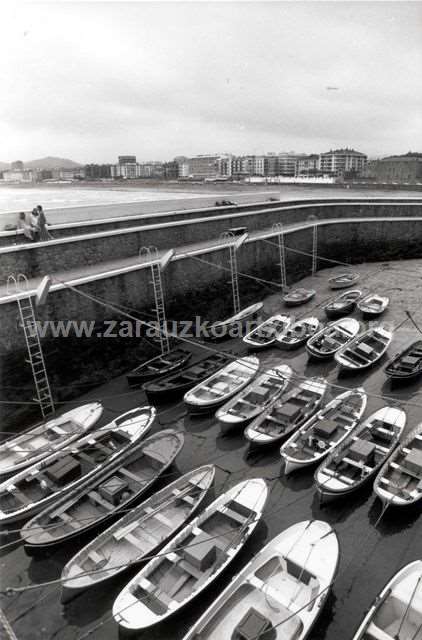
(407,364)
(343,304)
(158,366)
(298,296)
(176,384)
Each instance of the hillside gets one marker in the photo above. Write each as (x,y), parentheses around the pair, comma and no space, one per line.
(51,162)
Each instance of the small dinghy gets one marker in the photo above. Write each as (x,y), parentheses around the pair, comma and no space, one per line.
(193,559)
(176,384)
(32,489)
(397,611)
(298,334)
(235,324)
(330,339)
(343,280)
(255,398)
(298,296)
(359,458)
(159,366)
(365,350)
(407,364)
(344,304)
(138,534)
(267,333)
(399,482)
(45,438)
(106,495)
(216,390)
(280,593)
(373,305)
(288,413)
(324,431)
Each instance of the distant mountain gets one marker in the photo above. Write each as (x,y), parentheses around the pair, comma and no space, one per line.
(50,162)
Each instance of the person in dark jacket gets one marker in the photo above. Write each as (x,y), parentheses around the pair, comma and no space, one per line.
(42,224)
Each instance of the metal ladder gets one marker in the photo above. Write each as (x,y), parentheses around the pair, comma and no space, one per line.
(35,355)
(278,229)
(160,308)
(151,255)
(227,238)
(234,276)
(314,249)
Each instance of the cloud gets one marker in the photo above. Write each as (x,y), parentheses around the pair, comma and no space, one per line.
(91,79)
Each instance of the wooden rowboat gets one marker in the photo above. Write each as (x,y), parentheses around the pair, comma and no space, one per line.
(267,333)
(324,344)
(217,389)
(323,431)
(298,296)
(407,364)
(137,534)
(399,482)
(176,384)
(358,459)
(397,611)
(280,593)
(193,559)
(373,305)
(288,413)
(365,350)
(108,494)
(159,366)
(344,304)
(235,324)
(34,488)
(298,334)
(343,280)
(47,437)
(255,398)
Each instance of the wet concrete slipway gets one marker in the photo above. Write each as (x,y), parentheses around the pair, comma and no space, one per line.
(369,554)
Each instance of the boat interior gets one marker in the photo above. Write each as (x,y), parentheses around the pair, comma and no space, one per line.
(45,480)
(366,349)
(206,546)
(300,330)
(325,433)
(164,362)
(373,303)
(138,533)
(109,493)
(403,475)
(363,453)
(268,330)
(409,361)
(194,373)
(265,605)
(43,439)
(288,413)
(256,397)
(224,383)
(399,615)
(332,339)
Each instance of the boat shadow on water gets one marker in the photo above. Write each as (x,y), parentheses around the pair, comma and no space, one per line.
(392,521)
(337,511)
(296,482)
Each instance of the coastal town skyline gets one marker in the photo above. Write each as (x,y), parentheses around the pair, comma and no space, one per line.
(158,79)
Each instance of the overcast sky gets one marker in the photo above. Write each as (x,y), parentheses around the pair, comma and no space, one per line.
(89,81)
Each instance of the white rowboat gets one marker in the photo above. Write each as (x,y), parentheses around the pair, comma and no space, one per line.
(280,593)
(193,559)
